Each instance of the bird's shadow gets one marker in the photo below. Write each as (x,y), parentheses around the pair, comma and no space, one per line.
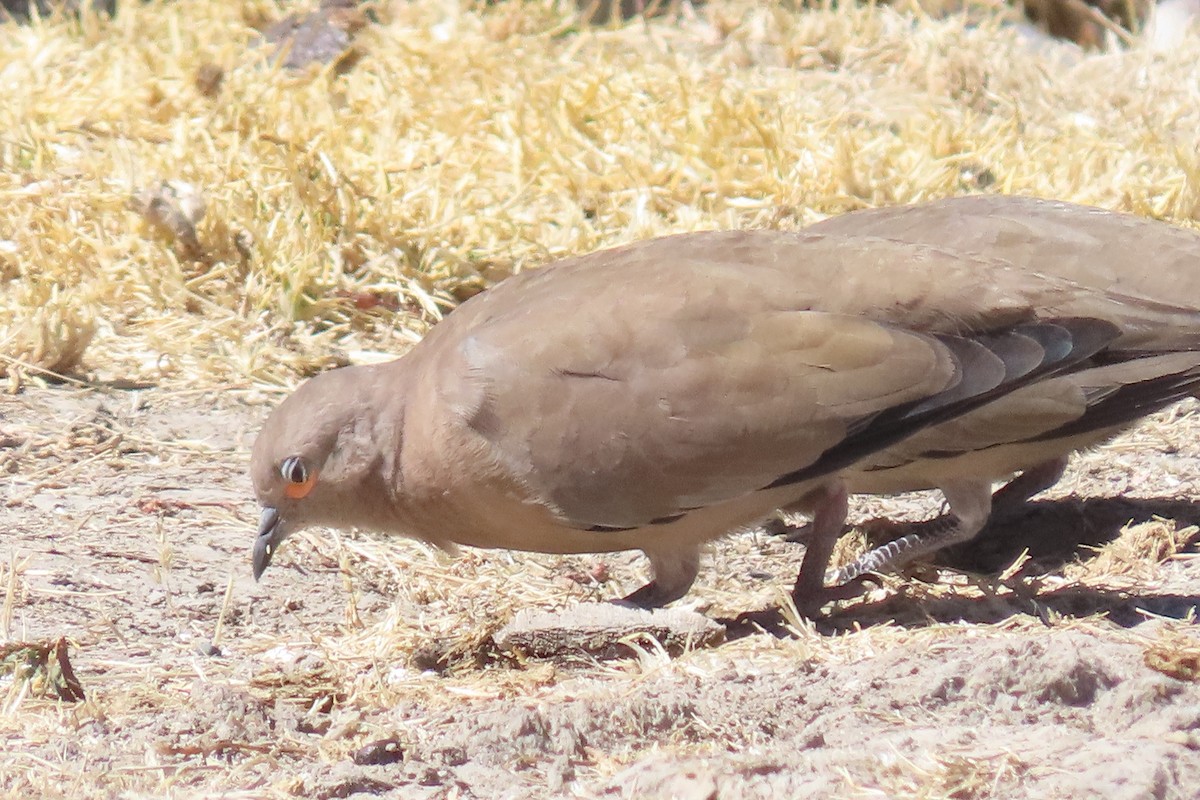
(1054,533)
(1057,532)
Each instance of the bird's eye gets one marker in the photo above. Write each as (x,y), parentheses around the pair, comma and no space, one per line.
(299,477)
(293,469)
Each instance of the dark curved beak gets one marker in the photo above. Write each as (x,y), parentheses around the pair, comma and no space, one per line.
(270,535)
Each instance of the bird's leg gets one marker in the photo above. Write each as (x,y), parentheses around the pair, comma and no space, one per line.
(1006,501)
(829,508)
(674,573)
(1009,499)
(970,504)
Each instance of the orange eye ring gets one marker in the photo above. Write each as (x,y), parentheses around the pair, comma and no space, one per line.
(298,490)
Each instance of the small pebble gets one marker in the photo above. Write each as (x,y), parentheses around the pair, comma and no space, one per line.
(378,753)
(208,649)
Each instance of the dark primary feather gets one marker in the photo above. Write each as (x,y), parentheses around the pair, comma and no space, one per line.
(1066,343)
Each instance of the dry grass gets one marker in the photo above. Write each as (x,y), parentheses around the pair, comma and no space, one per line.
(466,145)
(347,212)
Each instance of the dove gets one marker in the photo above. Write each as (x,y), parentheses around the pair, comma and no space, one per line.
(662,394)
(1034,430)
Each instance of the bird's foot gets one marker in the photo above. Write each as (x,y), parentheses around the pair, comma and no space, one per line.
(648,597)
(810,602)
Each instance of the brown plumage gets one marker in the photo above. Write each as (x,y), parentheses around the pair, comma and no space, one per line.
(1034,429)
(660,395)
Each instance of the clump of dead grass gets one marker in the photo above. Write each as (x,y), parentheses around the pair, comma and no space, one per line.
(1176,653)
(1133,556)
(38,669)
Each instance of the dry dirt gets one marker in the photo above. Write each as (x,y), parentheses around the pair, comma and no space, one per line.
(347,210)
(353,671)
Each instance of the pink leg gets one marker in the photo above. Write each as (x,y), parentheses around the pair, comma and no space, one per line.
(829,508)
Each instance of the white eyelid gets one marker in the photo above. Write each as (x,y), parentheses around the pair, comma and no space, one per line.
(288,467)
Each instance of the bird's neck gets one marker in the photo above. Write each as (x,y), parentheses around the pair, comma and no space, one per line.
(442,464)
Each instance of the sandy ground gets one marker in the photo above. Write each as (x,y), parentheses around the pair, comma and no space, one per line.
(358,668)
(346,211)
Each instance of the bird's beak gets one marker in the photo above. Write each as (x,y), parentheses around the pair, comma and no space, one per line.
(270,536)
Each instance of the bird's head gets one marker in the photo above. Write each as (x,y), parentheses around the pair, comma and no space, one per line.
(318,460)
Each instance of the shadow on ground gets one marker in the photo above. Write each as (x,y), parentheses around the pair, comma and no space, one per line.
(1055,533)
